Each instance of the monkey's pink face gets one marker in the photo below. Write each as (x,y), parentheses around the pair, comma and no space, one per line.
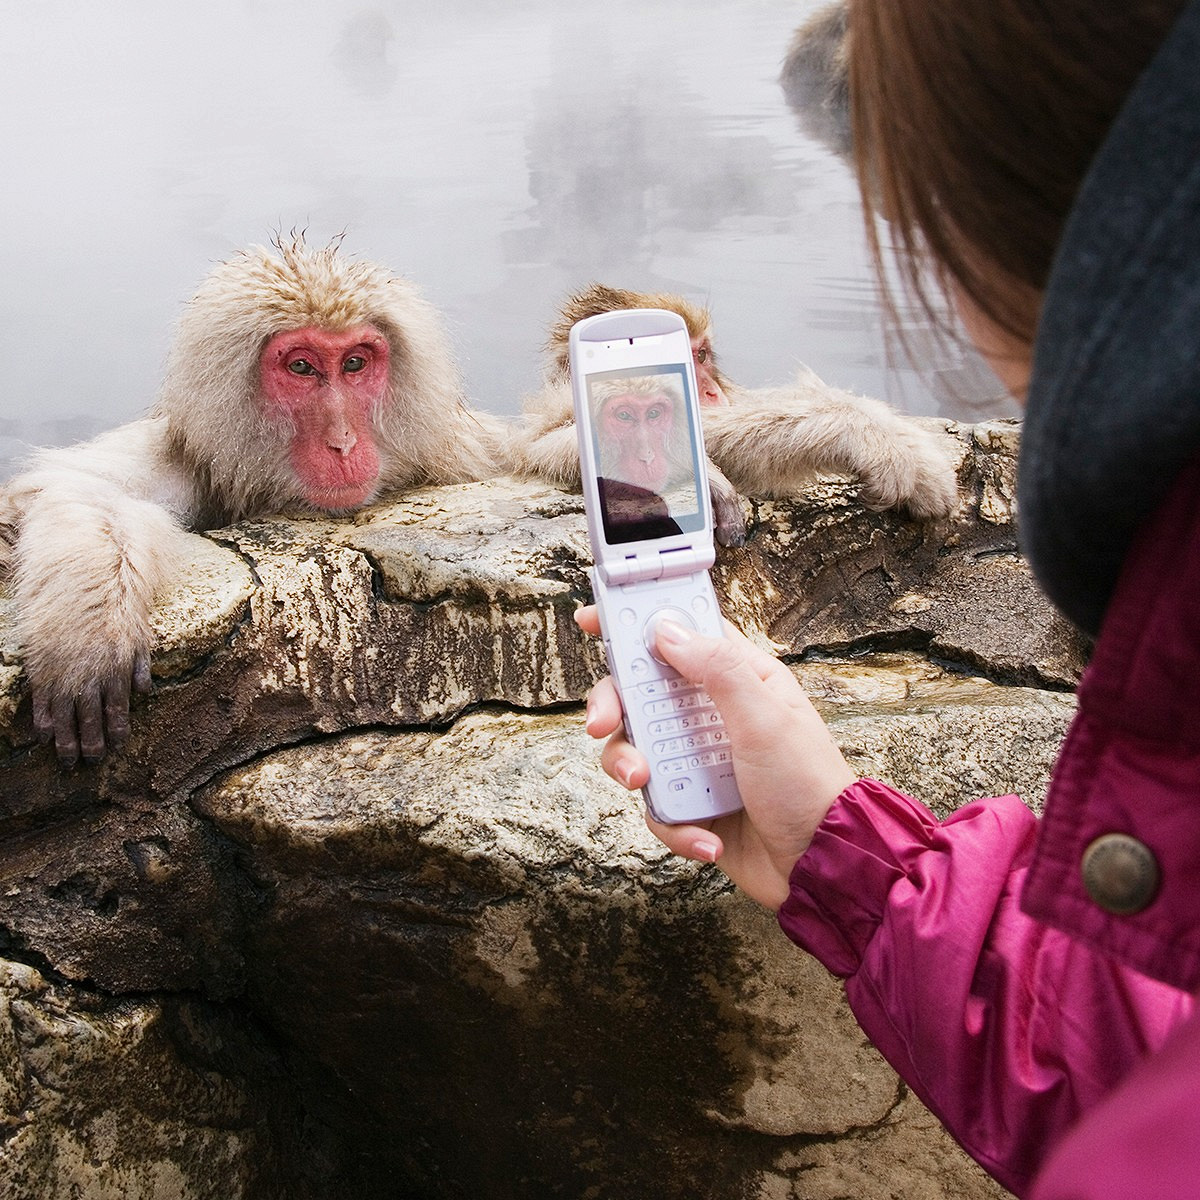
(328,386)
(635,434)
(707,379)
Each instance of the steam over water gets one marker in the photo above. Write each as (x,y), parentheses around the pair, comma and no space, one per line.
(498,154)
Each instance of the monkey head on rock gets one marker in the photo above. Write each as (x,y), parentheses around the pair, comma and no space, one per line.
(770,442)
(298,378)
(600,298)
(337,369)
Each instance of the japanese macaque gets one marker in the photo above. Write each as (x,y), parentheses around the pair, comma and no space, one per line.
(638,423)
(643,450)
(768,442)
(299,378)
(815,78)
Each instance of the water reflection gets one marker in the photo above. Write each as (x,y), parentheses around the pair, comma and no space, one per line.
(500,155)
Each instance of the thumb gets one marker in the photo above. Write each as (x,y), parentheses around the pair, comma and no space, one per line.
(732,671)
(789,769)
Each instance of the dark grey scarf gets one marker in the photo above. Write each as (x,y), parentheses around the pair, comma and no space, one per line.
(1114,404)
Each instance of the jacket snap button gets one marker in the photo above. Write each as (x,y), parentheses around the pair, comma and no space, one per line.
(1120,873)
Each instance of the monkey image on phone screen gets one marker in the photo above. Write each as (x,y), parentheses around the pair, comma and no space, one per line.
(645,453)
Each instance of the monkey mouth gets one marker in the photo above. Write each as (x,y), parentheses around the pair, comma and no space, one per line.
(335,482)
(646,475)
(340,498)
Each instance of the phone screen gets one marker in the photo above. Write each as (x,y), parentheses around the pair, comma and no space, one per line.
(647,456)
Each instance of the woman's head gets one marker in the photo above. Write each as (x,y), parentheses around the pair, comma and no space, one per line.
(975,122)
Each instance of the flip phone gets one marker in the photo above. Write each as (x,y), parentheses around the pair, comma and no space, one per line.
(649,514)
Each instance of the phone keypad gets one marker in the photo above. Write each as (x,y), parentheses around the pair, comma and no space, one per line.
(689,729)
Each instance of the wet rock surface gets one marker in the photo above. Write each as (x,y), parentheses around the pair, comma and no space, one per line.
(355,912)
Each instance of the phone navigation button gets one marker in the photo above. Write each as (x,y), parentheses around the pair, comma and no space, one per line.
(663,614)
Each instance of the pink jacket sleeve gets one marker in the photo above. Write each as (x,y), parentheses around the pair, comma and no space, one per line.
(1007,1029)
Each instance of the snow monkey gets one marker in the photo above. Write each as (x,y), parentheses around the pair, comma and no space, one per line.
(766,442)
(298,378)
(815,78)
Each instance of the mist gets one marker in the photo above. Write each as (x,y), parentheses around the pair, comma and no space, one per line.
(498,154)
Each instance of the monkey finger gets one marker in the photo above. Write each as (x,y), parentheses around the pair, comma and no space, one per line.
(116,710)
(90,709)
(141,675)
(43,716)
(729,520)
(66,733)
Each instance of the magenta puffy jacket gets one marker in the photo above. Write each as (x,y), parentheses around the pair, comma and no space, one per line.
(1042,1042)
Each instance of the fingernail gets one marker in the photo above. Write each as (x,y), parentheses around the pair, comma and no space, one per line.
(625,773)
(706,851)
(672,633)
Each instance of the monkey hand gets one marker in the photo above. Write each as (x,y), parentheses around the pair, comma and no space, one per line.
(729,521)
(909,470)
(87,720)
(789,771)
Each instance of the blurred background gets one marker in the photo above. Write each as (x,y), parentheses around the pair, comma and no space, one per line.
(498,152)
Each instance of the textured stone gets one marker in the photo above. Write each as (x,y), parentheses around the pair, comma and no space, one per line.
(136,1099)
(355,912)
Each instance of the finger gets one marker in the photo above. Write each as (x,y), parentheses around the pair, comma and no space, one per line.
(688,841)
(764,710)
(624,763)
(90,710)
(66,734)
(43,716)
(116,710)
(735,673)
(603,709)
(141,674)
(588,619)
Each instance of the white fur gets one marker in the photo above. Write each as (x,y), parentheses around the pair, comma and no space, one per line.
(90,534)
(772,442)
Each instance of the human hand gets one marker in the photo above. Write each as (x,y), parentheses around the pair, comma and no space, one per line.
(789,770)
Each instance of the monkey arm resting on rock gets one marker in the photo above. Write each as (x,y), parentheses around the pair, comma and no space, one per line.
(98,540)
(774,441)
(767,442)
(297,379)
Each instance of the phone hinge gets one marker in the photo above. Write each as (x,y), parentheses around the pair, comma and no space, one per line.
(659,564)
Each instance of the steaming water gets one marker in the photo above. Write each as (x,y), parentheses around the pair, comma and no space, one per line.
(500,154)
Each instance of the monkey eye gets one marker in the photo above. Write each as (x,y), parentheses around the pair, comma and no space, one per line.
(354,364)
(702,354)
(301,366)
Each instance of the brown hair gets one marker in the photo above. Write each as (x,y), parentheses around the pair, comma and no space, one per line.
(975,121)
(599,298)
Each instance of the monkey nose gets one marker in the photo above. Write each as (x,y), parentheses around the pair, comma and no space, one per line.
(342,441)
